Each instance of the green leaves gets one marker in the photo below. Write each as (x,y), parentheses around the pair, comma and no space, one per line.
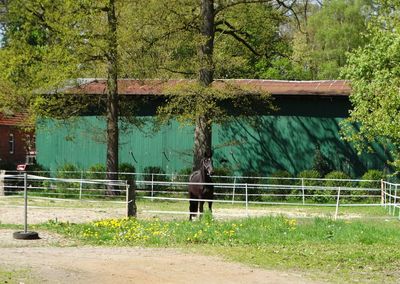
(375,79)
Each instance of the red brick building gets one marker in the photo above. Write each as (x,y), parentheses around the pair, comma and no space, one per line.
(16,145)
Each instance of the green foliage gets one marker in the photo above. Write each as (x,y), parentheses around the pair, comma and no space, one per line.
(67,189)
(375,76)
(153,173)
(68,171)
(129,171)
(96,171)
(328,33)
(222,172)
(320,163)
(309,174)
(337,178)
(306,175)
(372,180)
(283,178)
(376,175)
(38,168)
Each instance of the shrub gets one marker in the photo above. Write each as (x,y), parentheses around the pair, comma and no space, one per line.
(127,172)
(307,177)
(320,163)
(375,175)
(153,173)
(68,171)
(67,189)
(38,169)
(41,185)
(334,179)
(96,172)
(255,193)
(222,172)
(183,174)
(283,178)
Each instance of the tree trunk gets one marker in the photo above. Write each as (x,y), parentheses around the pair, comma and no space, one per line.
(112,99)
(202,135)
(202,140)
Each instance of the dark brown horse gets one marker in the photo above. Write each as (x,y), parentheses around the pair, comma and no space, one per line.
(200,191)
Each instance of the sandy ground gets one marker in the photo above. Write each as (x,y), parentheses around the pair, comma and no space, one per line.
(15,214)
(53,259)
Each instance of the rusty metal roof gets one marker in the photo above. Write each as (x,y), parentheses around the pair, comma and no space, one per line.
(274,87)
(12,120)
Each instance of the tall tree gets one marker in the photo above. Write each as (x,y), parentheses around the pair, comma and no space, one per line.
(207,25)
(49,44)
(374,74)
(327,32)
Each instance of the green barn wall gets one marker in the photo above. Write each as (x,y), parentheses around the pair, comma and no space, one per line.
(263,144)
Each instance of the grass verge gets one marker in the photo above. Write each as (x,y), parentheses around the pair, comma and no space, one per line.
(336,251)
(16,276)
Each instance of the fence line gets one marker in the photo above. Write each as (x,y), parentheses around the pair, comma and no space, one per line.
(237,193)
(390,198)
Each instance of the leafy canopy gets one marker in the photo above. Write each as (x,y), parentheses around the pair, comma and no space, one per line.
(374,72)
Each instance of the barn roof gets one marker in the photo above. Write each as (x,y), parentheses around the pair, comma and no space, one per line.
(12,120)
(274,87)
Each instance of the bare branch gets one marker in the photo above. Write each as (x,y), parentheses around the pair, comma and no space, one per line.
(177,71)
(240,39)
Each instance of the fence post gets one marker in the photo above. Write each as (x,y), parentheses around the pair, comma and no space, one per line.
(131,209)
(234,189)
(25,235)
(390,199)
(80,186)
(2,174)
(25,203)
(395,200)
(302,189)
(382,192)
(152,186)
(247,200)
(337,204)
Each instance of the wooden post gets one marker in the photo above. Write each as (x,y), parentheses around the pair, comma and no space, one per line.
(337,204)
(382,192)
(2,191)
(131,209)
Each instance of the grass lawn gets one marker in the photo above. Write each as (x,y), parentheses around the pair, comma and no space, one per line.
(15,276)
(336,251)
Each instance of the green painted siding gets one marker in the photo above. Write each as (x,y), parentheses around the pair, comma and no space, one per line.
(264,145)
(82,142)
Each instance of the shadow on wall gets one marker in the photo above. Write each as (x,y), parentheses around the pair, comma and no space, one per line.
(266,144)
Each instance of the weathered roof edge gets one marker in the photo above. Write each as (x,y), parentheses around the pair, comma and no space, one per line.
(18,119)
(274,87)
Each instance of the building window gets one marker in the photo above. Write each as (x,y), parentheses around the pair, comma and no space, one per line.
(11,143)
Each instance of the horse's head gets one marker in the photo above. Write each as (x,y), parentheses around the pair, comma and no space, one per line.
(208,165)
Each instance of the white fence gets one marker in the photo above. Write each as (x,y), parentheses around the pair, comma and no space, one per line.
(391,197)
(267,191)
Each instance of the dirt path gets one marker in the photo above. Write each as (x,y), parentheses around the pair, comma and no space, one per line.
(49,262)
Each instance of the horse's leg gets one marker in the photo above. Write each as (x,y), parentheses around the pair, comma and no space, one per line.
(201,208)
(193,207)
